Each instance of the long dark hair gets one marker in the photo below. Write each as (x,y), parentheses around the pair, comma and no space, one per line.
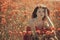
(34,14)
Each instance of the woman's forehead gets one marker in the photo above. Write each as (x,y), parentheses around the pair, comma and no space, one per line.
(40,10)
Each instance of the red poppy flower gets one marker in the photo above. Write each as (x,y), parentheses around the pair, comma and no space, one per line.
(10,32)
(21,33)
(48,32)
(58,29)
(38,31)
(53,28)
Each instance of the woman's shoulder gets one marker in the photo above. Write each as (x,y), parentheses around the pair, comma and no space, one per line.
(31,22)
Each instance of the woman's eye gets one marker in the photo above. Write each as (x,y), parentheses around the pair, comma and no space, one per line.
(41,11)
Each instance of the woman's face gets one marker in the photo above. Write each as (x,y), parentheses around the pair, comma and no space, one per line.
(40,13)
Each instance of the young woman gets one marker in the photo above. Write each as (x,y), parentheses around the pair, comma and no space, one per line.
(39,17)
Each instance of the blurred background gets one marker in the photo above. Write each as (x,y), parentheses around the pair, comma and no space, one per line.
(14,15)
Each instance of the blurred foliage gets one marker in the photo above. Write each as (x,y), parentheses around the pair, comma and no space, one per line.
(16,13)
